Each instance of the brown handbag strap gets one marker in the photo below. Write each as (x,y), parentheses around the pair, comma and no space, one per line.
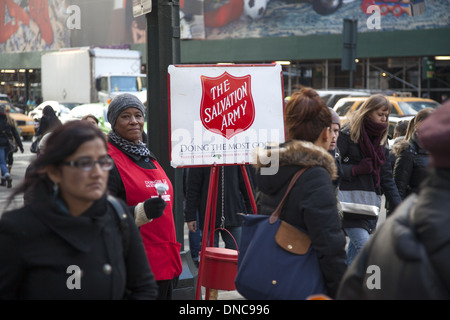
(276,214)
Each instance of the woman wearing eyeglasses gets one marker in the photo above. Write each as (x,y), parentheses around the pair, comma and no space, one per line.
(134,179)
(68,243)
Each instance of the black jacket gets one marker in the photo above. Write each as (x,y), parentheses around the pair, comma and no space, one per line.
(235,195)
(311,205)
(411,251)
(410,167)
(48,121)
(351,155)
(38,243)
(8,131)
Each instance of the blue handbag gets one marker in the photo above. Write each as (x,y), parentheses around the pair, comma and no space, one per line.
(276,260)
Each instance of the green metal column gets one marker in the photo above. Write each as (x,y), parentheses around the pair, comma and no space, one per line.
(163,49)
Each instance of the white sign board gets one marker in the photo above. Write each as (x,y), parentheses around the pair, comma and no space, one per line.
(141,7)
(220,113)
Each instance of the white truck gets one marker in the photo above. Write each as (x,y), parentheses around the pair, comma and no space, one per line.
(89,75)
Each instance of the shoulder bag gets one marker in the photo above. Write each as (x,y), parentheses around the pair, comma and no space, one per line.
(35,145)
(276,260)
(123,223)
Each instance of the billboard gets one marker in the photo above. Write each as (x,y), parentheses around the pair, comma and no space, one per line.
(222,19)
(38,25)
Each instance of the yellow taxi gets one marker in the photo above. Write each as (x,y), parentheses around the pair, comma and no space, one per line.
(25,125)
(403,105)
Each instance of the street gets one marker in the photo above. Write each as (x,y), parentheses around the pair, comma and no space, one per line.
(21,162)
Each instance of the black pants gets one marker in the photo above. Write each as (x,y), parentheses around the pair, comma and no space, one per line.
(165,289)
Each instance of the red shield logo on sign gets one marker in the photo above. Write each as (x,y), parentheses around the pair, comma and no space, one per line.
(227,106)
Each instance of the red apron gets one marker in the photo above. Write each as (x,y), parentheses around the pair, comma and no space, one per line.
(159,237)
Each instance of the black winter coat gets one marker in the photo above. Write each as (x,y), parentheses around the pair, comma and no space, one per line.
(410,167)
(8,131)
(411,251)
(48,121)
(236,197)
(311,205)
(38,244)
(351,155)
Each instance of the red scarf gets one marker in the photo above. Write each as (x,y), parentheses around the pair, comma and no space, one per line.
(369,141)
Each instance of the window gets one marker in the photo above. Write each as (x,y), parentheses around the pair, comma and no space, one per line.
(103,84)
(412,107)
(394,111)
(344,107)
(128,83)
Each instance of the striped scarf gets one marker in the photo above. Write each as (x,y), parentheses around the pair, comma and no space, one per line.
(139,148)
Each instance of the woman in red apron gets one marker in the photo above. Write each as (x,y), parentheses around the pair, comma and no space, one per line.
(134,180)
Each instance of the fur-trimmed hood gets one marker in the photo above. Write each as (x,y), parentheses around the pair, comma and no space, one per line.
(296,152)
(402,145)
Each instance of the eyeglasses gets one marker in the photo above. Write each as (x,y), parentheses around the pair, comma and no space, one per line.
(87,164)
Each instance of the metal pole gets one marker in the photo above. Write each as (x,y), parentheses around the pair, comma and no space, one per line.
(419,78)
(163,49)
(368,73)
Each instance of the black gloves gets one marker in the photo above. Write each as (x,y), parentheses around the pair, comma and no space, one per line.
(154,207)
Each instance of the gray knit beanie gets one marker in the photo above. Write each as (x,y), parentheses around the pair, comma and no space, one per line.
(120,103)
(335,117)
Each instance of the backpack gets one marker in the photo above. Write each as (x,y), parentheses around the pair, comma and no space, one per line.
(121,216)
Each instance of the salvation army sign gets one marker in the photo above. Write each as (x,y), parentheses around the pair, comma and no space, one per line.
(221,113)
(227,106)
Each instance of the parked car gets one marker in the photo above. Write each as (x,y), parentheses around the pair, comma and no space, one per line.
(393,120)
(59,107)
(99,110)
(345,105)
(330,97)
(5,97)
(25,125)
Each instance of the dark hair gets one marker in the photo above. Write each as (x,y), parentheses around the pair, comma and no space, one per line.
(401,127)
(306,115)
(48,111)
(62,142)
(48,122)
(90,116)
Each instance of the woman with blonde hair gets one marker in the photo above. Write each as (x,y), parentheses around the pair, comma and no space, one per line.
(367,171)
(411,159)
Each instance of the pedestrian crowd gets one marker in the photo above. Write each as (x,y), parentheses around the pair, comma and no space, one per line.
(104,204)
